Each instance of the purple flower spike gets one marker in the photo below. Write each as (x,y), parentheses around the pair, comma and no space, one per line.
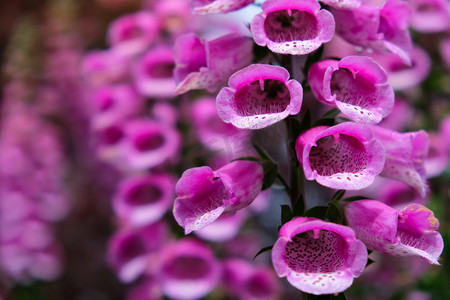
(208,64)
(318,257)
(357,85)
(405,156)
(153,74)
(133,33)
(259,96)
(203,194)
(292,27)
(142,200)
(381,29)
(405,232)
(202,7)
(189,270)
(345,156)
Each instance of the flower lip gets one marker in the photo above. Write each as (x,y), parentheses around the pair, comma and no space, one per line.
(259,95)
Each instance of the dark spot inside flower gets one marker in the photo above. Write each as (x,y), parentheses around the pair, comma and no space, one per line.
(111,135)
(358,90)
(251,100)
(280,27)
(130,247)
(161,70)
(148,141)
(144,193)
(187,267)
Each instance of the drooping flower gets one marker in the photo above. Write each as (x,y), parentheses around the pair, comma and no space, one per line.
(208,64)
(357,85)
(147,144)
(400,75)
(405,232)
(292,27)
(345,156)
(405,156)
(203,194)
(133,33)
(134,251)
(247,282)
(217,6)
(430,15)
(318,257)
(259,96)
(153,74)
(144,199)
(189,270)
(379,28)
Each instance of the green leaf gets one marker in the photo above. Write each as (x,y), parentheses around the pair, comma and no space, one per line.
(319,212)
(331,114)
(334,214)
(338,196)
(262,153)
(355,198)
(249,158)
(324,122)
(270,174)
(265,249)
(299,206)
(286,214)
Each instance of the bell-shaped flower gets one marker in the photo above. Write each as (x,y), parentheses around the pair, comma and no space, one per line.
(147,144)
(318,257)
(203,194)
(202,7)
(344,4)
(400,117)
(101,67)
(134,251)
(144,199)
(405,156)
(189,270)
(133,33)
(345,156)
(400,75)
(405,232)
(397,194)
(153,73)
(430,15)
(248,282)
(259,96)
(357,85)
(208,64)
(292,27)
(379,28)
(146,289)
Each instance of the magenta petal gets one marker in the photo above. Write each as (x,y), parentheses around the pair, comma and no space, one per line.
(318,257)
(217,6)
(345,156)
(405,155)
(203,195)
(292,27)
(259,96)
(356,85)
(409,231)
(208,64)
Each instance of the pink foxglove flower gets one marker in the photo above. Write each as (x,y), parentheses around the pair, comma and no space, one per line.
(153,73)
(345,156)
(223,228)
(147,144)
(405,232)
(217,6)
(189,270)
(259,96)
(400,117)
(292,27)
(437,160)
(245,281)
(402,76)
(397,194)
(405,156)
(133,33)
(208,64)
(133,251)
(318,257)
(144,199)
(379,28)
(344,4)
(101,67)
(430,15)
(357,85)
(203,194)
